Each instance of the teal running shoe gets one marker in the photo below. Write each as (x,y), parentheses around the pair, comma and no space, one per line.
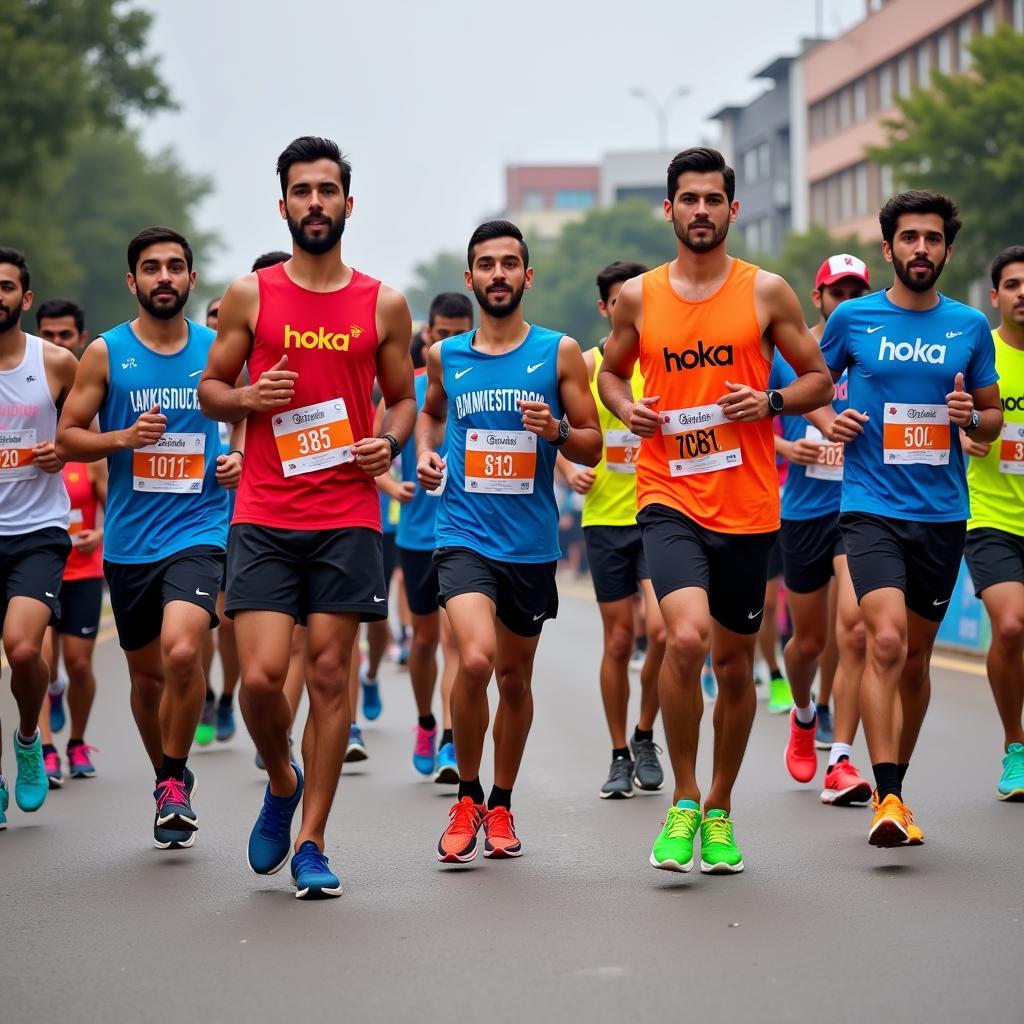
(5,799)
(1011,784)
(372,704)
(32,784)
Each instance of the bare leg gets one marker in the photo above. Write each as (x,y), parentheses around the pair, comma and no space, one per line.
(182,636)
(810,635)
(617,622)
(851,641)
(885,621)
(651,669)
(81,682)
(451,668)
(512,720)
(24,630)
(426,634)
(830,656)
(1005,605)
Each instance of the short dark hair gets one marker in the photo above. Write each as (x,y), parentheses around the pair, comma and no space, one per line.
(153,236)
(209,305)
(17,258)
(615,273)
(920,201)
(497,229)
(307,148)
(1011,254)
(703,160)
(61,307)
(453,305)
(270,259)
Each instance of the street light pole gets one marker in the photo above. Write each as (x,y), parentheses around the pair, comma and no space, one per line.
(661,109)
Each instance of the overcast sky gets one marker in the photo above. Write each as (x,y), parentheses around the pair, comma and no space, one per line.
(432,99)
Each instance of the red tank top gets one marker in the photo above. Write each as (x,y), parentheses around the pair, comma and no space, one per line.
(83,517)
(299,473)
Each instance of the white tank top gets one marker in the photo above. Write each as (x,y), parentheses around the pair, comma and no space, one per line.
(30,499)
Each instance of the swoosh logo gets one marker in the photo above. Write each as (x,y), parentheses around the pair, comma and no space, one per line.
(201,593)
(196,374)
(953,334)
(459,374)
(378,600)
(939,604)
(48,594)
(541,616)
(754,615)
(536,366)
(871,330)
(88,629)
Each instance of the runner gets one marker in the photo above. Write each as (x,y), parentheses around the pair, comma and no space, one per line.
(62,322)
(919,365)
(35,378)
(164,530)
(780,698)
(213,312)
(491,394)
(305,539)
(995,531)
(813,556)
(703,328)
(618,569)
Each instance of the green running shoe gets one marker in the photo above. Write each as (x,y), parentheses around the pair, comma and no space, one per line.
(673,849)
(780,697)
(206,726)
(719,854)
(1011,784)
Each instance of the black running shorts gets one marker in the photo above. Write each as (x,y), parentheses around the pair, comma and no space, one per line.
(808,549)
(422,589)
(32,565)
(994,556)
(617,561)
(81,602)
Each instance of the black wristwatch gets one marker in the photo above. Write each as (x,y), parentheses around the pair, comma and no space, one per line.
(776,403)
(973,425)
(395,446)
(563,433)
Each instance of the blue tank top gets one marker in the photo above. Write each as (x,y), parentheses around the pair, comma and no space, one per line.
(416,520)
(163,498)
(499,497)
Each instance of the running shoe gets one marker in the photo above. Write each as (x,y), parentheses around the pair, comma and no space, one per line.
(801,757)
(457,844)
(915,834)
(403,653)
(673,849)
(1011,782)
(447,773)
(80,765)
(31,785)
(708,682)
(844,786)
(51,764)
(636,659)
(204,730)
(500,839)
(5,799)
(719,854)
(648,774)
(780,697)
(619,784)
(270,842)
(314,880)
(423,758)
(175,823)
(225,725)
(372,705)
(356,749)
(824,735)
(889,825)
(58,718)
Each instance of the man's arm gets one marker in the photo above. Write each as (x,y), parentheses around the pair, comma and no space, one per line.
(984,401)
(430,424)
(60,367)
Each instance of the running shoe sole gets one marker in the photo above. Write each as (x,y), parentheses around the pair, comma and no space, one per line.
(54,782)
(354,754)
(847,797)
(82,773)
(887,834)
(317,892)
(618,794)
(457,858)
(671,865)
(447,776)
(1016,797)
(494,853)
(176,844)
(721,868)
(647,789)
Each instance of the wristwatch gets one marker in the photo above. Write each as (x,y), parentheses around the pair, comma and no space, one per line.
(395,446)
(776,402)
(563,433)
(973,425)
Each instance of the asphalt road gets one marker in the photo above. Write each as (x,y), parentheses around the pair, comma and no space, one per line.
(99,926)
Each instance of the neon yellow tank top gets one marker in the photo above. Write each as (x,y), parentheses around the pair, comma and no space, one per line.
(996,482)
(612,499)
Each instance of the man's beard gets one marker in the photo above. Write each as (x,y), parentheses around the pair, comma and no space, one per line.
(9,317)
(317,246)
(504,310)
(711,241)
(163,312)
(917,284)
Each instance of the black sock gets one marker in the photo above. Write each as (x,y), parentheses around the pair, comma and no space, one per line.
(842,757)
(472,789)
(75,743)
(902,769)
(428,722)
(775,673)
(642,734)
(172,768)
(227,699)
(49,748)
(819,708)
(210,695)
(887,779)
(618,752)
(641,643)
(499,798)
(446,737)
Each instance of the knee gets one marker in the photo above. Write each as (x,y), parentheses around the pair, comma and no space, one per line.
(1008,630)
(79,666)
(734,672)
(656,636)
(327,676)
(686,644)
(808,646)
(513,686)
(853,638)
(476,665)
(180,657)
(147,688)
(260,684)
(23,654)
(888,649)
(425,639)
(618,642)
(915,670)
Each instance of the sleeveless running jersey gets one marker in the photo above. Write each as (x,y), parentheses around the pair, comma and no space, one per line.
(720,474)
(299,471)
(164,497)
(83,517)
(30,499)
(996,482)
(416,519)
(499,497)
(612,499)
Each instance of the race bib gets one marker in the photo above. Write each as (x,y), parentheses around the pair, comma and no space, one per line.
(313,437)
(916,435)
(621,450)
(700,440)
(500,461)
(830,457)
(1011,449)
(176,464)
(16,461)
(76,523)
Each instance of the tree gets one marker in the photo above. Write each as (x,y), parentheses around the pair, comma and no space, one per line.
(965,137)
(443,273)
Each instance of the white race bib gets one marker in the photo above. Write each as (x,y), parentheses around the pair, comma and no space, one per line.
(704,440)
(313,437)
(915,435)
(830,457)
(16,462)
(1011,449)
(621,450)
(76,523)
(500,461)
(176,464)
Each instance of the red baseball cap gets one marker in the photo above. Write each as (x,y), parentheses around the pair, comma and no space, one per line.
(835,268)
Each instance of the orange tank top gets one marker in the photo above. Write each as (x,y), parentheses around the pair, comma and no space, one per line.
(718,473)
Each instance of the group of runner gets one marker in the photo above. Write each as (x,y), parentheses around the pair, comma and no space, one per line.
(286,415)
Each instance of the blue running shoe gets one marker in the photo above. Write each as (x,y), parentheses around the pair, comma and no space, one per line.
(314,880)
(175,823)
(270,841)
(356,749)
(57,715)
(447,773)
(824,735)
(423,758)
(372,705)
(708,683)
(5,799)
(31,785)
(1011,784)
(225,722)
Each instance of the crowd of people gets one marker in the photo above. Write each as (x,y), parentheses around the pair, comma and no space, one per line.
(235,473)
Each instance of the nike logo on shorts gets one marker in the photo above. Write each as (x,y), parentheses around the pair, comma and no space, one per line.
(536,366)
(871,330)
(378,600)
(48,594)
(88,629)
(201,593)
(939,604)
(541,616)
(459,374)
(754,615)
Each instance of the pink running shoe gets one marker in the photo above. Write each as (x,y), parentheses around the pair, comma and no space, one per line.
(54,776)
(424,753)
(80,764)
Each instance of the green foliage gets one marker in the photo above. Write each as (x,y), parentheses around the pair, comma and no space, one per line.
(443,273)
(965,137)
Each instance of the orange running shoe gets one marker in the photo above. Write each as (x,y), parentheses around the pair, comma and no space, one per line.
(801,754)
(915,836)
(844,786)
(500,839)
(457,844)
(889,825)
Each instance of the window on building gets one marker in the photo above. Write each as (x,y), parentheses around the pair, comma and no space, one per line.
(924,65)
(860,190)
(885,87)
(750,166)
(533,199)
(903,75)
(819,203)
(846,195)
(574,198)
(1018,15)
(886,181)
(945,62)
(964,33)
(860,101)
(845,108)
(764,161)
(988,19)
(752,236)
(817,122)
(831,115)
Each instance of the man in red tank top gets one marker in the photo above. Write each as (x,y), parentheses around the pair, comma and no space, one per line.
(305,543)
(704,328)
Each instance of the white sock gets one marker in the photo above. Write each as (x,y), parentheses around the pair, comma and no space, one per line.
(56,688)
(839,750)
(805,715)
(23,741)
